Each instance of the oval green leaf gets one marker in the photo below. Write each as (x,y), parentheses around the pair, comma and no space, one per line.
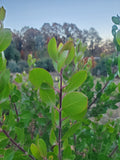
(76,81)
(75,104)
(47,94)
(119,65)
(38,76)
(116,20)
(5,39)
(42,147)
(2,62)
(61,60)
(2,13)
(35,151)
(52,138)
(52,49)
(70,56)
(118,37)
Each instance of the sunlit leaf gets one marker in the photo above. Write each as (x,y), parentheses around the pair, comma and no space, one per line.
(52,137)
(2,13)
(118,37)
(47,94)
(38,76)
(5,39)
(61,60)
(52,49)
(42,147)
(35,151)
(119,65)
(2,62)
(74,104)
(76,81)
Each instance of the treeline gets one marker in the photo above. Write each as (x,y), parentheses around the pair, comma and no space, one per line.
(34,41)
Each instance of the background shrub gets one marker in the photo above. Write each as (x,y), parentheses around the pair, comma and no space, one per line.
(23,66)
(105,66)
(13,67)
(45,63)
(18,67)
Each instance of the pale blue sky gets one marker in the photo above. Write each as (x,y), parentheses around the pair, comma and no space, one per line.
(84,13)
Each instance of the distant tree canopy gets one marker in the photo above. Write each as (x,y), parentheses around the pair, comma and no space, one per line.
(34,41)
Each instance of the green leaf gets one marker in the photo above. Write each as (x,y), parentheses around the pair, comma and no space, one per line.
(38,76)
(52,138)
(70,56)
(18,78)
(118,87)
(15,96)
(74,104)
(65,143)
(9,155)
(116,20)
(67,154)
(65,55)
(60,46)
(114,28)
(2,13)
(5,39)
(118,37)
(2,62)
(52,49)
(35,151)
(11,120)
(119,65)
(2,136)
(42,147)
(76,81)
(71,131)
(47,94)
(20,134)
(61,60)
(4,85)
(56,150)
(67,46)
(98,86)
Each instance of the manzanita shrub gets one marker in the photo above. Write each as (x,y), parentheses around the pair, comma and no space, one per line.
(41,121)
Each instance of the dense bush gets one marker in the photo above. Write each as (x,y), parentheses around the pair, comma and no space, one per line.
(18,67)
(45,63)
(105,65)
(11,53)
(23,66)
(13,67)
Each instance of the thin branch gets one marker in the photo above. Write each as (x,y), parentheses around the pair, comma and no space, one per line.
(57,90)
(16,112)
(59,110)
(17,145)
(94,100)
(114,150)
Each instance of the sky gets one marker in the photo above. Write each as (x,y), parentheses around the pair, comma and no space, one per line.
(83,13)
